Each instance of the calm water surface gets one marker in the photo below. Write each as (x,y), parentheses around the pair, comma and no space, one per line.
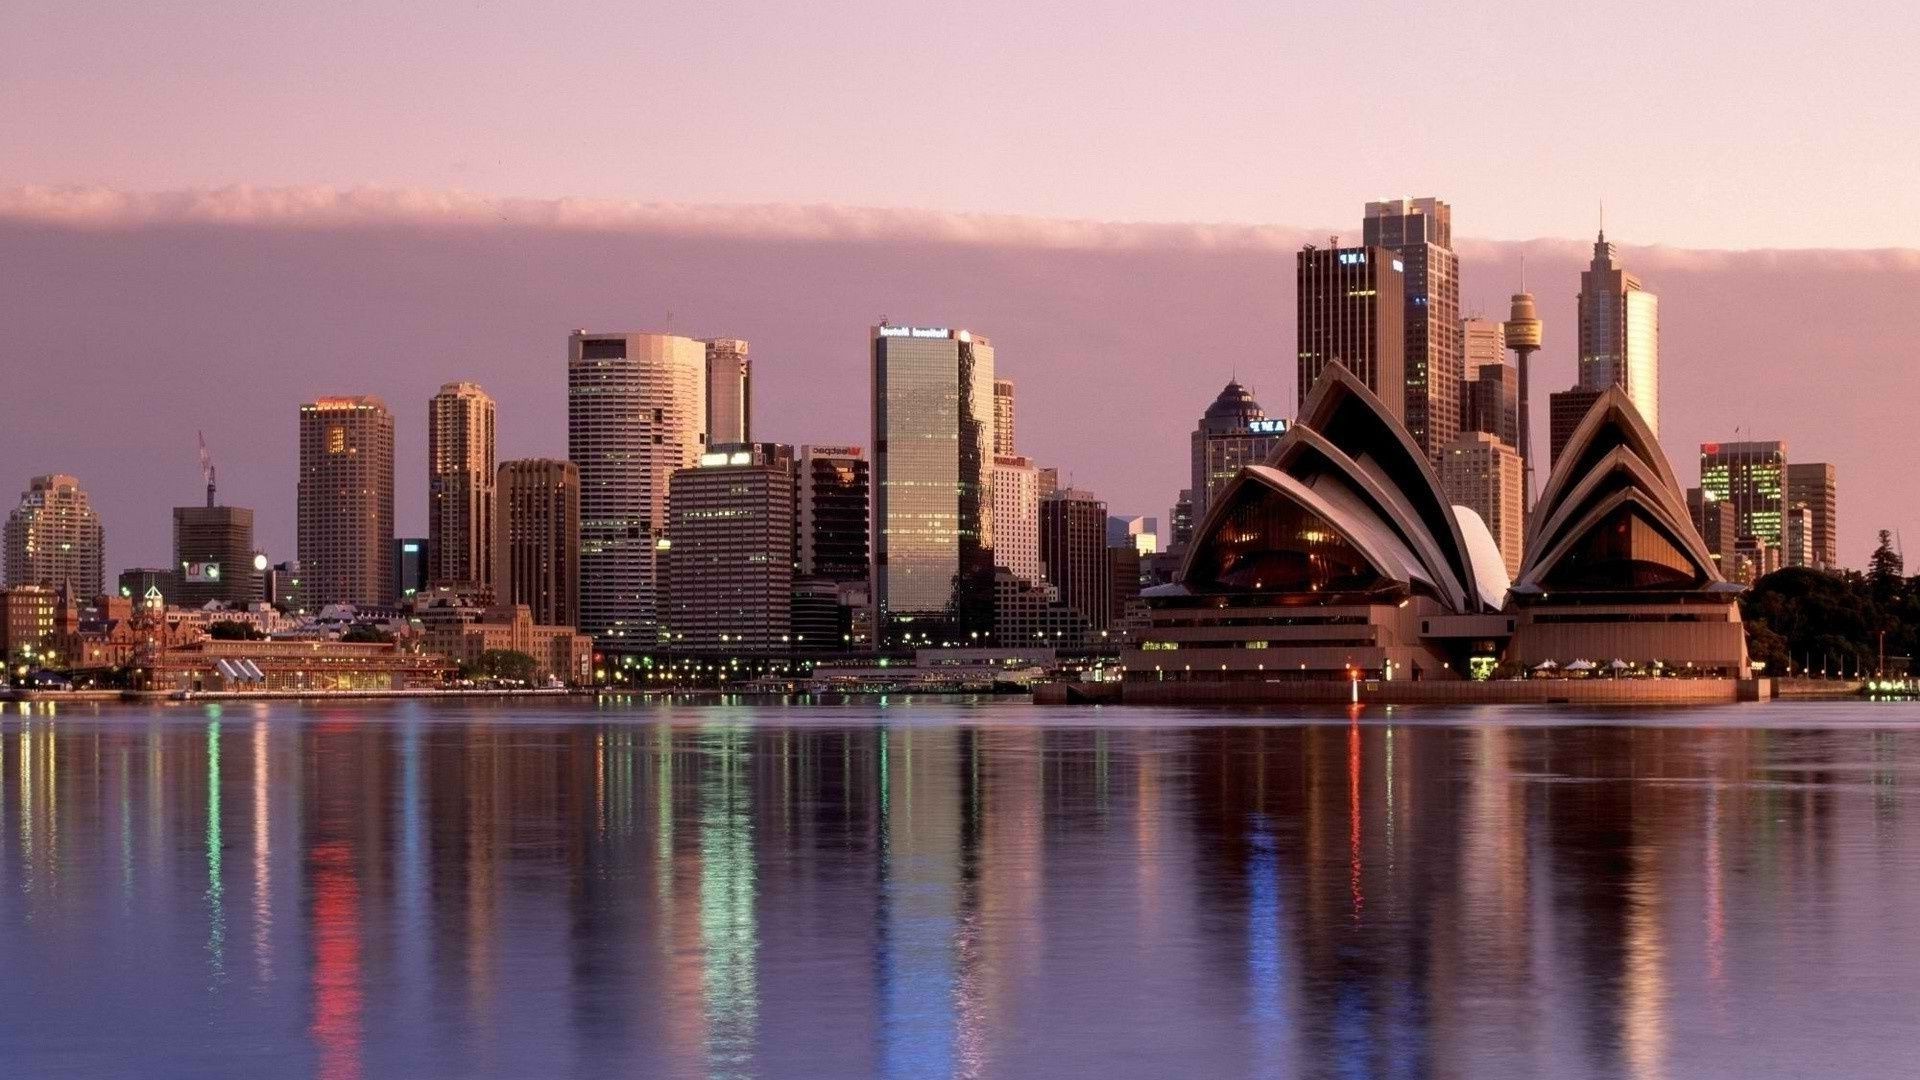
(939,889)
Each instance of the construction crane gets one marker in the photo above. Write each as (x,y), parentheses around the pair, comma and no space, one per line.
(206,465)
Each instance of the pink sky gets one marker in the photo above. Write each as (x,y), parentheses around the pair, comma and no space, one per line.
(131,322)
(1700,124)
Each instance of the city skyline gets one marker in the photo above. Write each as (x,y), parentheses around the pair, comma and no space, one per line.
(810,396)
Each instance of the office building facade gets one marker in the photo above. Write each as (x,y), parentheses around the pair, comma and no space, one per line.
(1814,485)
(1482,342)
(410,568)
(54,537)
(1482,473)
(730,551)
(729,392)
(1420,232)
(213,554)
(1016,517)
(1493,402)
(1619,333)
(1233,433)
(933,438)
(1565,410)
(460,487)
(345,512)
(1352,311)
(835,488)
(1073,553)
(636,414)
(1003,418)
(536,546)
(1752,478)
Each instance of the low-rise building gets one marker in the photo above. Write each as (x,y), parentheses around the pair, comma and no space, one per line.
(558,651)
(290,666)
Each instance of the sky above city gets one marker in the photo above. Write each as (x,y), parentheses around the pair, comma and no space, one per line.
(211,213)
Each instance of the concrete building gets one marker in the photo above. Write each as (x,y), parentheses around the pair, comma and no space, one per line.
(636,414)
(1797,547)
(1493,402)
(1814,485)
(345,512)
(933,439)
(1233,433)
(1003,418)
(26,628)
(1073,553)
(54,538)
(1483,341)
(1713,520)
(1482,473)
(1752,478)
(1016,517)
(729,392)
(1619,333)
(558,652)
(1140,533)
(537,543)
(1352,311)
(461,497)
(730,552)
(213,555)
(1565,411)
(1420,232)
(1032,614)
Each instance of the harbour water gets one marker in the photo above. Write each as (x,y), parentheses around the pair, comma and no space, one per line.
(939,889)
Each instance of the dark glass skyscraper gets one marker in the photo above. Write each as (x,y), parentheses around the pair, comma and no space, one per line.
(1420,232)
(1352,311)
(933,438)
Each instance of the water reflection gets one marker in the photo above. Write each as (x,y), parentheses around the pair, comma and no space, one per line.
(437,891)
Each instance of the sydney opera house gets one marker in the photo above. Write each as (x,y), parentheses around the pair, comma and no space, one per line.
(1340,567)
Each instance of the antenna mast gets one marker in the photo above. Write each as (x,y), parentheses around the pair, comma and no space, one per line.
(206,466)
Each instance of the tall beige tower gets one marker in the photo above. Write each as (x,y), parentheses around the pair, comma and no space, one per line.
(636,413)
(1482,473)
(1619,333)
(54,538)
(1524,332)
(345,514)
(460,487)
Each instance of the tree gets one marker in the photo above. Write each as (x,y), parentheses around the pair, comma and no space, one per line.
(1885,569)
(364,634)
(234,630)
(507,665)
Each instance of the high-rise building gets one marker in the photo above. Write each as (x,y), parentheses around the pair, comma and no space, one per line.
(933,444)
(1233,433)
(1016,517)
(1812,485)
(1180,523)
(1483,341)
(1003,418)
(27,627)
(284,587)
(1140,533)
(835,486)
(636,414)
(54,538)
(1493,402)
(729,392)
(1619,333)
(1714,521)
(1048,479)
(730,550)
(1073,553)
(536,546)
(409,567)
(1797,536)
(1752,478)
(213,554)
(345,515)
(1482,473)
(460,487)
(1420,232)
(1352,311)
(1565,410)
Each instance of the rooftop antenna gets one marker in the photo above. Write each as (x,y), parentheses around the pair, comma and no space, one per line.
(206,465)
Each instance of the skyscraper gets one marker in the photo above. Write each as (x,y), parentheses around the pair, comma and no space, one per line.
(1493,403)
(1420,232)
(730,555)
(213,554)
(1073,553)
(1352,310)
(1813,485)
(729,392)
(54,538)
(1482,472)
(536,548)
(1752,478)
(1714,520)
(345,515)
(1565,410)
(933,438)
(1003,418)
(636,410)
(460,487)
(1016,517)
(835,486)
(1619,333)
(410,568)
(1233,433)
(1483,342)
(1524,334)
